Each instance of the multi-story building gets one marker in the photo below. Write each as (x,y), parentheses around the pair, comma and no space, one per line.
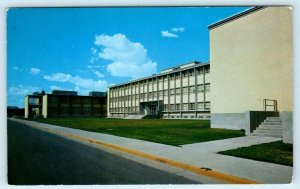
(179,92)
(65,104)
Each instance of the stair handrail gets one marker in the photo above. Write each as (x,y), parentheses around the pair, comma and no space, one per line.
(265,104)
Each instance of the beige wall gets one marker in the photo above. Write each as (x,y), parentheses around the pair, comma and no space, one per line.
(26,105)
(251,60)
(45,106)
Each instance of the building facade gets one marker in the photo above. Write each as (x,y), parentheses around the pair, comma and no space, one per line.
(65,104)
(178,92)
(251,66)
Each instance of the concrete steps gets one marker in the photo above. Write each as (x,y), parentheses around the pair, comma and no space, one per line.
(134,117)
(271,127)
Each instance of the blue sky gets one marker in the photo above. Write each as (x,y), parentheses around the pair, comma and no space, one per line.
(87,49)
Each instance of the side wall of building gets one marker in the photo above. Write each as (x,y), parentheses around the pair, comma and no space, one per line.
(251,60)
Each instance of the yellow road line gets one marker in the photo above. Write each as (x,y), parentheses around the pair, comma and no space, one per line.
(195,169)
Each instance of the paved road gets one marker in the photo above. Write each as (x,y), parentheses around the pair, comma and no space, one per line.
(37,157)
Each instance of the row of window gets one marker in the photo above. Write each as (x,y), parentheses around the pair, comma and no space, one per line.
(114,93)
(171,107)
(133,109)
(185,90)
(164,78)
(187,106)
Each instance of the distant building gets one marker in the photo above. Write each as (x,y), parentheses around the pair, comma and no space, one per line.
(60,92)
(64,104)
(96,93)
(179,92)
(14,111)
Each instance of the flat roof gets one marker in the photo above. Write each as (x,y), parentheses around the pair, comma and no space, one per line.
(178,66)
(162,74)
(235,16)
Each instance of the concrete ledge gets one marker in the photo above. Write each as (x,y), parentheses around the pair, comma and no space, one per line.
(287,125)
(234,121)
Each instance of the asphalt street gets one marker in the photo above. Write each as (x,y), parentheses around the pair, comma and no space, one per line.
(36,157)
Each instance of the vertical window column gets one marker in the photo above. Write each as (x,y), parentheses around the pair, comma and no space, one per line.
(157,93)
(168,94)
(204,97)
(174,91)
(196,92)
(131,98)
(139,93)
(181,95)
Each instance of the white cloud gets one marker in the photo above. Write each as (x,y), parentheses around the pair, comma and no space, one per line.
(168,34)
(79,82)
(129,59)
(53,87)
(22,90)
(35,71)
(98,74)
(61,77)
(181,29)
(94,50)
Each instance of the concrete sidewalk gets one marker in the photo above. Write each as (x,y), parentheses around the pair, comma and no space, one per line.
(200,157)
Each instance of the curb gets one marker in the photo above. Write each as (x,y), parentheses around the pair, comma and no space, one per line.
(192,168)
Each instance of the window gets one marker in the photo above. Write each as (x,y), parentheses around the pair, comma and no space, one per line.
(154,94)
(192,89)
(185,90)
(185,74)
(191,72)
(207,87)
(200,106)
(177,91)
(177,76)
(172,91)
(161,93)
(206,69)
(172,107)
(171,77)
(200,71)
(200,88)
(207,105)
(192,106)
(150,94)
(185,106)
(177,107)
(166,92)
(166,107)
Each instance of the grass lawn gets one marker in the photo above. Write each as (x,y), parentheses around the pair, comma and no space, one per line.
(172,132)
(274,152)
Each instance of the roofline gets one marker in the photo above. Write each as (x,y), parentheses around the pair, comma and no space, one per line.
(160,74)
(235,16)
(197,62)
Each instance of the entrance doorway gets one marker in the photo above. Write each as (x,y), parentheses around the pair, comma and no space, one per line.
(152,110)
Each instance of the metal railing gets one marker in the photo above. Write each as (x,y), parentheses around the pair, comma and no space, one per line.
(270,103)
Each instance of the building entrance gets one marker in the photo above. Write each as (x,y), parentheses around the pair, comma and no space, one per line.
(153,110)
(149,108)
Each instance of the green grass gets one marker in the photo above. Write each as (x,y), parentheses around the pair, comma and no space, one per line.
(172,132)
(274,152)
